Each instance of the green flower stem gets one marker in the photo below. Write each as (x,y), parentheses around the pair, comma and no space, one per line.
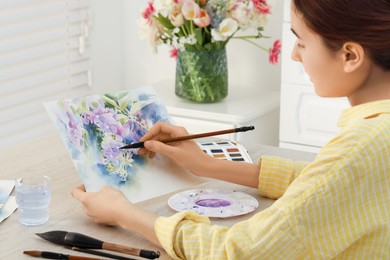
(247,40)
(192,27)
(201,76)
(251,37)
(183,29)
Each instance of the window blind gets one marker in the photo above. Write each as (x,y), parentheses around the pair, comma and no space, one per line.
(44,56)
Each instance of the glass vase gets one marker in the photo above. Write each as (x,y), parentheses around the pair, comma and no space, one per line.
(202,76)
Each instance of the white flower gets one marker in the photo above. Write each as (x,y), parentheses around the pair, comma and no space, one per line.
(176,17)
(163,7)
(259,21)
(149,32)
(226,29)
(241,13)
(175,30)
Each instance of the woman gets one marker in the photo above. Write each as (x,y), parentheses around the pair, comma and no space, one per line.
(337,206)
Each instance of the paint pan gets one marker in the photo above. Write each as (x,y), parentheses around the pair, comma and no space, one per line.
(226,150)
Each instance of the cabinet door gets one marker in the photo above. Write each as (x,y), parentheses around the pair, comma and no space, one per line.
(306,118)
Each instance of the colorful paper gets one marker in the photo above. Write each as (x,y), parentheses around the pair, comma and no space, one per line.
(9,207)
(6,187)
(94,127)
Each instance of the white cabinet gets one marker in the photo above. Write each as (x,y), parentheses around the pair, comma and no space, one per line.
(241,107)
(307,121)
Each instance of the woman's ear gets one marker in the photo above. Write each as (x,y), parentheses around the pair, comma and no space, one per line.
(353,56)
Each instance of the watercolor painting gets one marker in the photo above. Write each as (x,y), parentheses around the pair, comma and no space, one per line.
(6,187)
(9,207)
(93,129)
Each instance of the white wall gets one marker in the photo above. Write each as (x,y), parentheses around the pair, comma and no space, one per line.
(119,60)
(107,45)
(122,60)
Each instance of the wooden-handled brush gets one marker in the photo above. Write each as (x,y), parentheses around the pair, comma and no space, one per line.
(73,239)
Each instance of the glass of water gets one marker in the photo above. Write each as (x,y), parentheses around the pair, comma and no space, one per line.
(33,197)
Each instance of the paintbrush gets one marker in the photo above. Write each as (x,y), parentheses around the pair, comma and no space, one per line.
(53,255)
(188,137)
(73,239)
(100,253)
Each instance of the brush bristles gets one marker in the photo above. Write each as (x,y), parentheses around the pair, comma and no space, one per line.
(32,253)
(56,236)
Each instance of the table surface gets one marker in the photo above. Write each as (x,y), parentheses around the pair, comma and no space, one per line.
(48,156)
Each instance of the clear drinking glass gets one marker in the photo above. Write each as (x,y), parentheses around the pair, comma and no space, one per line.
(33,197)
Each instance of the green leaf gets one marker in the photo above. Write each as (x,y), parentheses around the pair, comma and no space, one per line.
(208,46)
(110,101)
(190,47)
(165,22)
(124,103)
(187,25)
(122,118)
(199,36)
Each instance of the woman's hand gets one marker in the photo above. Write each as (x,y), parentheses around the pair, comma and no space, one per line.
(110,207)
(186,153)
(103,206)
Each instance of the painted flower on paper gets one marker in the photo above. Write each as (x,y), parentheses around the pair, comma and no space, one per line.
(97,126)
(204,24)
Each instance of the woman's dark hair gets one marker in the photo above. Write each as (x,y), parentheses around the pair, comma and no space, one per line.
(366,22)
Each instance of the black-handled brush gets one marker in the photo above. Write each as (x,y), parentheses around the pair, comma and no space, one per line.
(73,239)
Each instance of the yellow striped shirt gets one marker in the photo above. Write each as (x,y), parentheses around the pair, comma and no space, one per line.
(338,206)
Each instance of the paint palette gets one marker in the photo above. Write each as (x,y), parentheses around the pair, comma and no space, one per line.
(218,203)
(226,150)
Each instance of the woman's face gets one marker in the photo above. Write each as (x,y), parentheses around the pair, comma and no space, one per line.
(324,67)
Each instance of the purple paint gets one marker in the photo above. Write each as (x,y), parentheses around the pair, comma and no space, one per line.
(213,203)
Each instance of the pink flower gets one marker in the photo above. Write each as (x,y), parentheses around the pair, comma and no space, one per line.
(203,2)
(148,12)
(262,6)
(190,9)
(174,53)
(274,52)
(203,19)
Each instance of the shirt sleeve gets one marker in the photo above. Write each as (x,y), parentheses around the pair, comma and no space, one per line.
(187,235)
(276,174)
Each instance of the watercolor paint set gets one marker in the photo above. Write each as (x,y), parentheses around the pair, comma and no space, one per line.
(226,150)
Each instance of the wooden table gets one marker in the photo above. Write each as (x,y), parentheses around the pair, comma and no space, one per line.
(48,156)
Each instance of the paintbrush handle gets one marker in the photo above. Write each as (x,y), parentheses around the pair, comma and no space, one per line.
(55,255)
(83,241)
(130,251)
(196,136)
(101,253)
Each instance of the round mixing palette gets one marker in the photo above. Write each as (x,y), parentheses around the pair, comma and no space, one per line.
(217,203)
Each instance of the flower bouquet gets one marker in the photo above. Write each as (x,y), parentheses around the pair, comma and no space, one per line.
(197,32)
